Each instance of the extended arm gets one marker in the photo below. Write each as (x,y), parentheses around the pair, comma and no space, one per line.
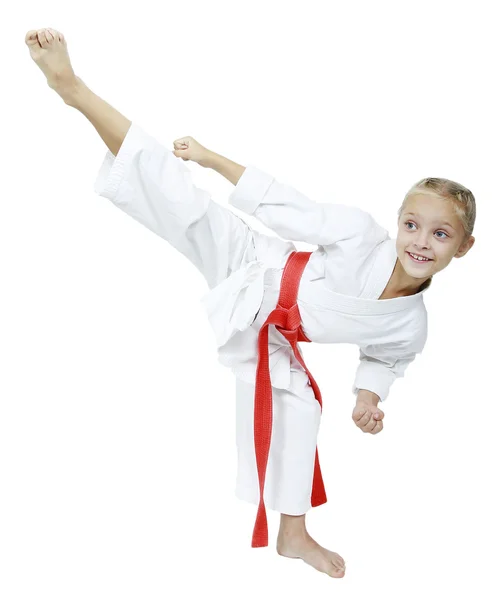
(290,213)
(224,166)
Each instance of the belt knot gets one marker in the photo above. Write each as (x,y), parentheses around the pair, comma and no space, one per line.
(287,321)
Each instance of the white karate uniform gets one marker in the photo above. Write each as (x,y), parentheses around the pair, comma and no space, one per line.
(338,295)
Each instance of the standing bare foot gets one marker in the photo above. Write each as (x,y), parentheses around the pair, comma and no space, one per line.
(295,542)
(48,49)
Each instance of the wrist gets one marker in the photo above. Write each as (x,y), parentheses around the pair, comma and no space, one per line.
(367,397)
(209,159)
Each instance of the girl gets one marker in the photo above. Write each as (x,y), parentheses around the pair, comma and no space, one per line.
(359,286)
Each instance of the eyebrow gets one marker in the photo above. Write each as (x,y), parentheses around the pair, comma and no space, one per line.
(444,223)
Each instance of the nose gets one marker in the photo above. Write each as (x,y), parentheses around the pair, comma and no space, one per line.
(422,242)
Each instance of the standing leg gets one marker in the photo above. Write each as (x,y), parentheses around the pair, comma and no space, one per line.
(290,468)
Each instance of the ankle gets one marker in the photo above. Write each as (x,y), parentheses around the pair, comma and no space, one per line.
(72,93)
(292,526)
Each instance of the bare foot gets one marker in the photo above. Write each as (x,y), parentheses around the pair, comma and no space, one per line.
(48,49)
(295,542)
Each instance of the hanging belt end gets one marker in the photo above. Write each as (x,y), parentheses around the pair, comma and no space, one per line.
(260,532)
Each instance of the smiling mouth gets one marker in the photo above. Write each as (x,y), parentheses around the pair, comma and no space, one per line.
(416,260)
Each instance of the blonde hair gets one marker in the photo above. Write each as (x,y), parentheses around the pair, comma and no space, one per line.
(461,198)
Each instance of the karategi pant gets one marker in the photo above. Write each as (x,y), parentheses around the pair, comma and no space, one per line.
(291,461)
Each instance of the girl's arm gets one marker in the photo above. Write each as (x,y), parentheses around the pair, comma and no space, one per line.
(282,208)
(380,365)
(294,216)
(188,148)
(228,168)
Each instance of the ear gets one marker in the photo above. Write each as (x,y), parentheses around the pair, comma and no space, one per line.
(465,247)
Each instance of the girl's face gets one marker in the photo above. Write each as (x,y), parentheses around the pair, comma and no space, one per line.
(428,226)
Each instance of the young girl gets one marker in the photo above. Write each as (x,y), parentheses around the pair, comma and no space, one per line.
(359,286)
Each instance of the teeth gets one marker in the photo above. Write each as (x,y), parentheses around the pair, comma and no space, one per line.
(418,257)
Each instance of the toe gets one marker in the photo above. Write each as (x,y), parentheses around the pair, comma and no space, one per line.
(55,34)
(340,570)
(31,37)
(42,38)
(338,560)
(58,36)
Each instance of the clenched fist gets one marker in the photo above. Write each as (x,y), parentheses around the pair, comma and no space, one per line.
(368,417)
(188,148)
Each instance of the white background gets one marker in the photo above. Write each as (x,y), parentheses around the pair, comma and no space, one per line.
(117,423)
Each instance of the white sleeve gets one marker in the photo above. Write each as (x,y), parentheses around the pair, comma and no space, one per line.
(380,366)
(377,375)
(294,216)
(153,186)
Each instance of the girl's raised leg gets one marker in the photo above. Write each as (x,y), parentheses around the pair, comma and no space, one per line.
(48,49)
(145,179)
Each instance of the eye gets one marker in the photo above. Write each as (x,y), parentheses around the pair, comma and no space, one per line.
(411,223)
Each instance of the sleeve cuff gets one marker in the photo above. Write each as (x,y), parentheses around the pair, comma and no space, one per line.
(250,189)
(111,181)
(374,378)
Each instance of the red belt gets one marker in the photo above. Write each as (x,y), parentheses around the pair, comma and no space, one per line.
(287,320)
